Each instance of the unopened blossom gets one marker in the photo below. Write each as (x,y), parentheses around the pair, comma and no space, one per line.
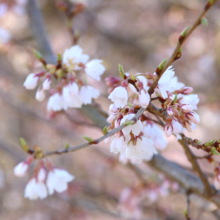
(21,169)
(71,95)
(40,94)
(46,84)
(56,103)
(116,144)
(190,126)
(153,132)
(113,108)
(143,149)
(168,130)
(87,93)
(57,180)
(187,108)
(194,117)
(144,98)
(119,96)
(31,81)
(42,175)
(5,36)
(177,127)
(35,189)
(73,57)
(94,69)
(135,128)
(191,99)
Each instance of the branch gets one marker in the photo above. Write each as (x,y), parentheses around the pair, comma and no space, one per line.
(176,51)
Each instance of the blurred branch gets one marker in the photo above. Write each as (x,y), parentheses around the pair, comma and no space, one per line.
(170,169)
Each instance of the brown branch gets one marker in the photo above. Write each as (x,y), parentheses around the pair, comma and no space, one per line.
(176,51)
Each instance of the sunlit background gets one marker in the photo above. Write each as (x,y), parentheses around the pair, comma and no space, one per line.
(137,34)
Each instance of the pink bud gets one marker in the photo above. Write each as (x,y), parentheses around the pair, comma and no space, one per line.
(187,90)
(194,117)
(168,130)
(170,111)
(111,80)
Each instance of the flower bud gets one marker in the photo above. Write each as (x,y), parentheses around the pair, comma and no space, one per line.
(187,90)
(31,81)
(194,117)
(168,130)
(170,111)
(187,108)
(46,83)
(21,169)
(40,94)
(41,175)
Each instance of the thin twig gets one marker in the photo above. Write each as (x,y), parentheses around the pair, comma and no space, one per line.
(187,206)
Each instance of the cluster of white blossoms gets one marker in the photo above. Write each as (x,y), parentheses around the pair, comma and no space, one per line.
(46,180)
(71,90)
(139,140)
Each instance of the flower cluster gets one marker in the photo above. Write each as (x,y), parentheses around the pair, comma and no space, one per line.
(137,140)
(71,90)
(46,180)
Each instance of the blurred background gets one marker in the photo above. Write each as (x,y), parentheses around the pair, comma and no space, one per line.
(137,34)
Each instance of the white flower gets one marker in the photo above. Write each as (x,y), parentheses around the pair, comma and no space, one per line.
(112,108)
(21,169)
(143,149)
(144,98)
(177,127)
(40,94)
(190,127)
(46,84)
(31,81)
(168,130)
(73,56)
(119,96)
(164,84)
(116,144)
(135,128)
(153,132)
(71,95)
(87,93)
(144,81)
(191,99)
(5,36)
(41,175)
(187,108)
(57,180)
(35,189)
(95,69)
(194,117)
(56,103)
(111,118)
(175,85)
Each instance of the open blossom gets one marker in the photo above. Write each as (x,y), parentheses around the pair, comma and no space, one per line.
(119,96)
(143,149)
(94,69)
(71,95)
(87,93)
(35,189)
(117,144)
(56,103)
(73,57)
(31,81)
(57,180)
(144,98)
(135,128)
(21,169)
(191,100)
(153,132)
(164,85)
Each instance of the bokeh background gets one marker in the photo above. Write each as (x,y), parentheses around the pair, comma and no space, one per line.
(137,34)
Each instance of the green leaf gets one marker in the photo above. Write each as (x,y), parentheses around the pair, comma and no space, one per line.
(204,21)
(59,57)
(23,145)
(37,54)
(186,212)
(162,64)
(214,151)
(175,99)
(88,139)
(184,32)
(121,71)
(105,130)
(130,105)
(67,146)
(129,123)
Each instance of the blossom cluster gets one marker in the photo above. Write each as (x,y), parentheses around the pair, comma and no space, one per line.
(71,90)
(138,140)
(46,180)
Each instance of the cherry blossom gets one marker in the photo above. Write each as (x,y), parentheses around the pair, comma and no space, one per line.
(21,169)
(40,94)
(35,189)
(119,96)
(57,180)
(56,103)
(94,69)
(117,144)
(31,81)
(87,93)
